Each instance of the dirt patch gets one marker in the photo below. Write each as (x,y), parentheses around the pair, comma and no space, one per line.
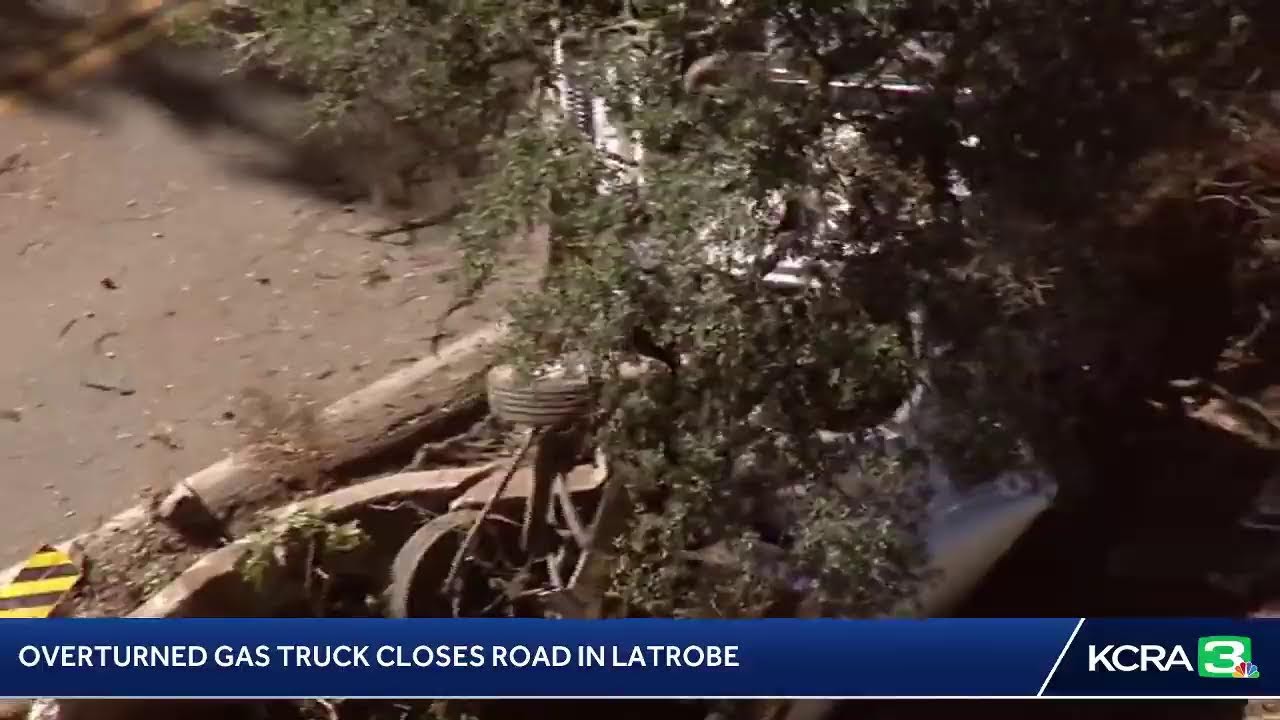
(125,568)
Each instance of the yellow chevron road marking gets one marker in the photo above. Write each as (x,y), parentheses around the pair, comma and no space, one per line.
(44,580)
(46,558)
(38,587)
(31,613)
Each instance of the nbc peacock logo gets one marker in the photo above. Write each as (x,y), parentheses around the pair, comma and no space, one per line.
(1245,670)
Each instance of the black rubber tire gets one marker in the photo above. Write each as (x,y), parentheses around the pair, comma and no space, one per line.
(544,402)
(422,563)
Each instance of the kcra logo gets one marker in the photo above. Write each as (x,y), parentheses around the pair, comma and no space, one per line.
(1218,656)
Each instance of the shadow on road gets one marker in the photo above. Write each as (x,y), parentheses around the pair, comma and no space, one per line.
(63,62)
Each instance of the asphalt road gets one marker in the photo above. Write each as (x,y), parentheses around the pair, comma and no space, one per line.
(161,258)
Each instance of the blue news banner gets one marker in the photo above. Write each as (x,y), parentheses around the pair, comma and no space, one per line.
(296,658)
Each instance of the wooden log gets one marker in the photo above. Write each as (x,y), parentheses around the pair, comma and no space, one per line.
(428,394)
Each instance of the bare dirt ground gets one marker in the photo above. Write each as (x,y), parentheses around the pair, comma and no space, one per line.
(160,255)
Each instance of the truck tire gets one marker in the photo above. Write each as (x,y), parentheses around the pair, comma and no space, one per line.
(543,402)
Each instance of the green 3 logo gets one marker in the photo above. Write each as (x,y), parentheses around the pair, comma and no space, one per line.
(1226,656)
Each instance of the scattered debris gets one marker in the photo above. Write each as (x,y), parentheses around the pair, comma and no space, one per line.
(66,328)
(98,341)
(108,283)
(45,579)
(402,239)
(165,435)
(409,226)
(144,217)
(33,245)
(12,162)
(375,276)
(104,387)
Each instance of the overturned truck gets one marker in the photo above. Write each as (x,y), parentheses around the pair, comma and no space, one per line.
(966,530)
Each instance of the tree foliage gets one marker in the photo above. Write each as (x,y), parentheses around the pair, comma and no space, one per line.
(1112,232)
